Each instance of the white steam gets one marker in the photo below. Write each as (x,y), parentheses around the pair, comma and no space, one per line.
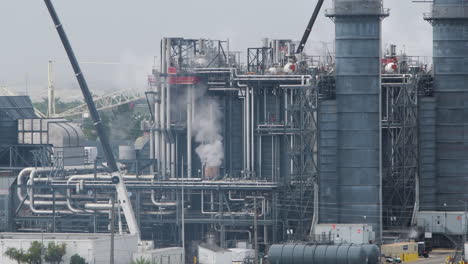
(207,132)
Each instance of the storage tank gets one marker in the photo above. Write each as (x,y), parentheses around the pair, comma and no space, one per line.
(323,254)
(450,32)
(358,53)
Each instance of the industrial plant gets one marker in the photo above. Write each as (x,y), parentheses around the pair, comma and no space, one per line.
(269,155)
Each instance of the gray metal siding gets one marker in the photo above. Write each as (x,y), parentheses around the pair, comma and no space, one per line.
(451,92)
(328,180)
(427,171)
(358,43)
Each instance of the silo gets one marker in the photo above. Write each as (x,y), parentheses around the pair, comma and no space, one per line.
(450,28)
(358,53)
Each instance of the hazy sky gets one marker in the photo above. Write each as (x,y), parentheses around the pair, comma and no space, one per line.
(129,32)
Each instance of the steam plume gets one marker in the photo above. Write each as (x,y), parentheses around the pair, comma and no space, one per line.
(207,132)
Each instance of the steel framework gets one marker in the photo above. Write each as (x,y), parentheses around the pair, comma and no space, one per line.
(106,101)
(399,148)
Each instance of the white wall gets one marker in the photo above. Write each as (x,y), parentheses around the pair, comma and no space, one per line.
(173,255)
(95,249)
(207,256)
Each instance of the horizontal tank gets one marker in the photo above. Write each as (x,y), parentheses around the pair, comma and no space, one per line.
(323,254)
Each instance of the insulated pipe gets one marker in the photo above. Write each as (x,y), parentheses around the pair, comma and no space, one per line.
(160,203)
(157,130)
(152,149)
(247,129)
(189,131)
(170,163)
(232,213)
(252,133)
(244,135)
(27,171)
(162,129)
(173,159)
(235,199)
(80,177)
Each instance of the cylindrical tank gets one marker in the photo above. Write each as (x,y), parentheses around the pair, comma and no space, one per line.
(358,53)
(323,254)
(127,153)
(450,33)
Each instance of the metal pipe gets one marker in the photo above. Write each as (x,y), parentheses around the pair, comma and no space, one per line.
(247,132)
(51,92)
(156,131)
(252,134)
(162,129)
(169,148)
(234,199)
(161,203)
(189,131)
(173,160)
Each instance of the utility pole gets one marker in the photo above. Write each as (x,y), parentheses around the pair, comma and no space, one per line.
(112,230)
(50,92)
(255,230)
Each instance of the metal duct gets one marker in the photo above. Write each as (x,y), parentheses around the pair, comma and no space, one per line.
(450,27)
(323,254)
(358,52)
(427,160)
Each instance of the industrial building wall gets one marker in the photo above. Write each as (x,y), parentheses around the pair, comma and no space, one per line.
(427,164)
(328,179)
(233,127)
(450,29)
(358,123)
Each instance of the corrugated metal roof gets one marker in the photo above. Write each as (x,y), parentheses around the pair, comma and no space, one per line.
(17,107)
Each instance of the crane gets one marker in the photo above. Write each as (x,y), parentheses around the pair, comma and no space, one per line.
(312,20)
(117,178)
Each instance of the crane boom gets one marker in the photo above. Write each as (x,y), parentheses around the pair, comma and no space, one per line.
(117,178)
(312,20)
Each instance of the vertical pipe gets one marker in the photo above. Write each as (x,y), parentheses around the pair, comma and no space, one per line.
(252,131)
(189,131)
(152,152)
(51,92)
(244,134)
(170,148)
(157,134)
(162,112)
(358,84)
(247,129)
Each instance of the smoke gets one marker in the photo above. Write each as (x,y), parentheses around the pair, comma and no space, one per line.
(207,132)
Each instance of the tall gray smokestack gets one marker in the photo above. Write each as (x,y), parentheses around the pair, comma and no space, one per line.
(450,25)
(358,53)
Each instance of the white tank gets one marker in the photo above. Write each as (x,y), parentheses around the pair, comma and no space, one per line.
(391,67)
(289,67)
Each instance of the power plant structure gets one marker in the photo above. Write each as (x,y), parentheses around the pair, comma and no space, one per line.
(360,146)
